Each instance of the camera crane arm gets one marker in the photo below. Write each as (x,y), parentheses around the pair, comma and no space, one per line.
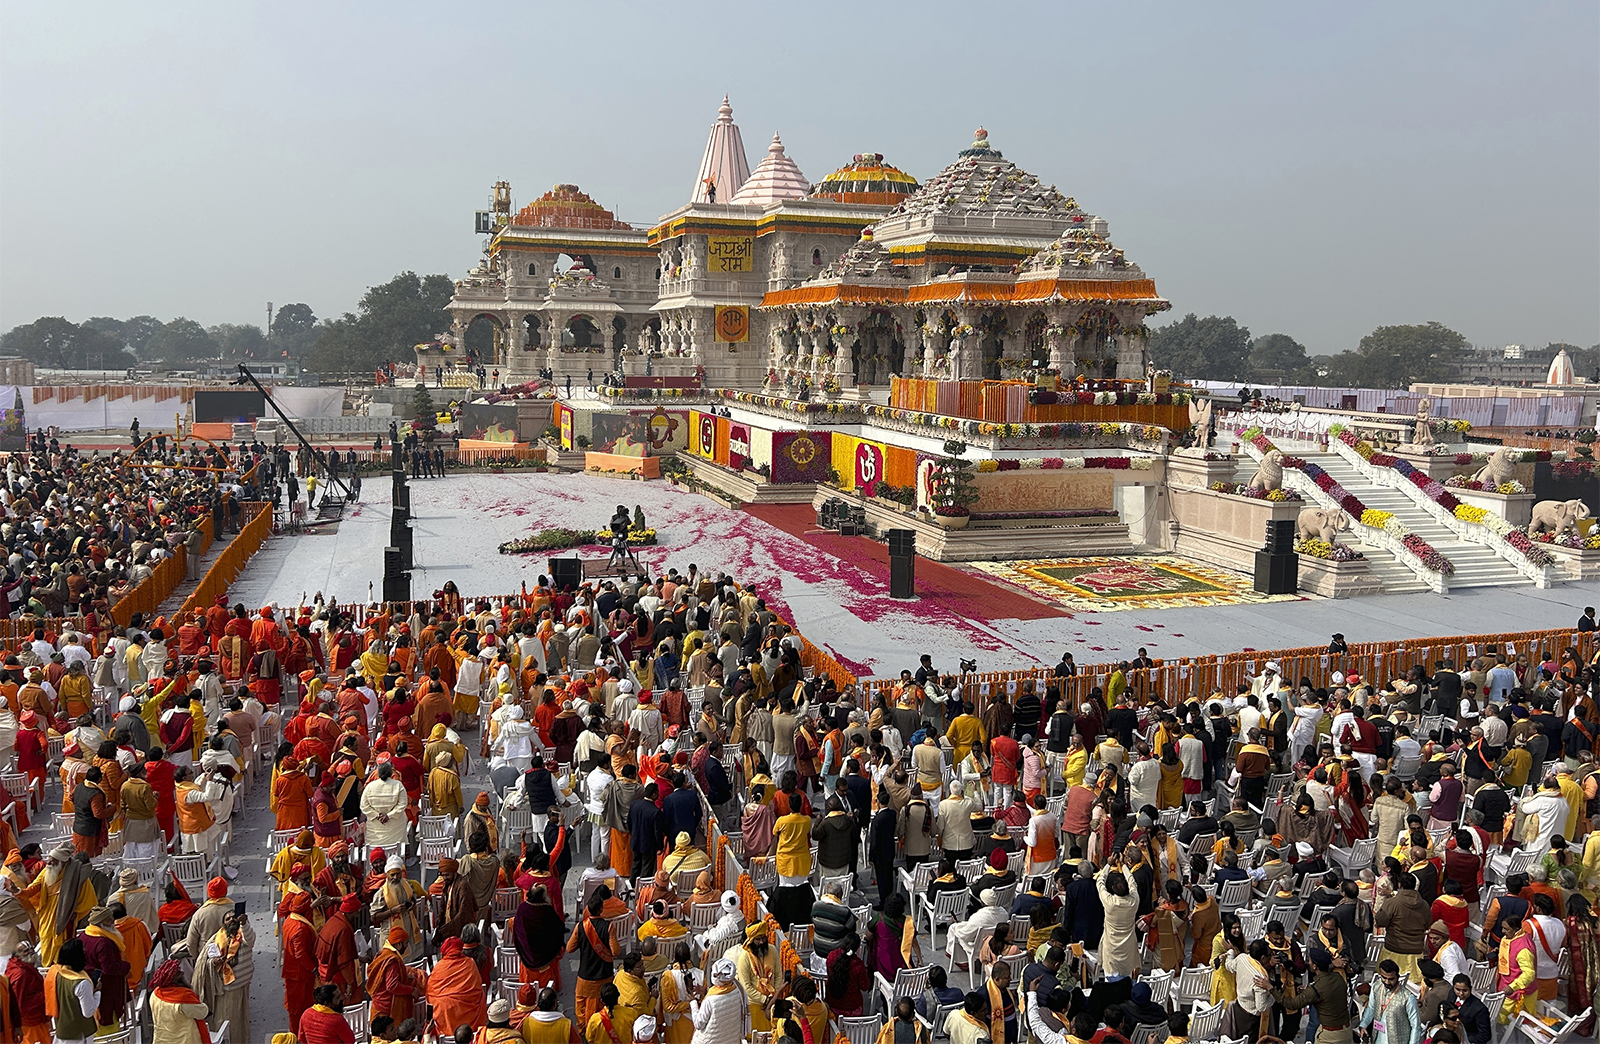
(245,376)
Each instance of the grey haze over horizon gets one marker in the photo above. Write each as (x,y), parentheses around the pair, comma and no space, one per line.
(1315,170)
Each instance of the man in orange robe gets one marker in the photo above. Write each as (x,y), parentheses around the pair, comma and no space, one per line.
(299,964)
(392,986)
(292,796)
(455,991)
(337,961)
(217,621)
(266,634)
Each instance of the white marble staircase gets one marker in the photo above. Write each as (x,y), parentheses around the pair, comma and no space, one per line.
(1476,565)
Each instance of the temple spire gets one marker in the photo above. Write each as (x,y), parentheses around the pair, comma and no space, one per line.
(723,168)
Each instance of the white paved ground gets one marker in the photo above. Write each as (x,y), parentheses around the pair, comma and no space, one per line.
(460,520)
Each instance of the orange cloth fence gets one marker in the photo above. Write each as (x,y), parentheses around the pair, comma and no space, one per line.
(1005,402)
(155,589)
(22,627)
(233,559)
(1376,662)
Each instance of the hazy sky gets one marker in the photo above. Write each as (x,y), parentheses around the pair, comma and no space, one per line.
(1312,169)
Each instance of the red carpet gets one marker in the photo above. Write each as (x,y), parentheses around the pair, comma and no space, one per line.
(970,595)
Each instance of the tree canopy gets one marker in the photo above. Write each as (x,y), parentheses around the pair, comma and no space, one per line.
(240,342)
(1214,348)
(180,344)
(1394,357)
(390,319)
(54,342)
(1277,354)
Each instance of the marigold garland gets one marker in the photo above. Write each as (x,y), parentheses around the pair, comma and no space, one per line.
(719,872)
(749,898)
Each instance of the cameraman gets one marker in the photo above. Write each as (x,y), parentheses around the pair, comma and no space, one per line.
(619,536)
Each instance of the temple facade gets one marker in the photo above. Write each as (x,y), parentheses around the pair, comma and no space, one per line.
(766,280)
(564,283)
(983,273)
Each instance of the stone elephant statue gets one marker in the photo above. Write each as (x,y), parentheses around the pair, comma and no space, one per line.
(1318,524)
(1499,469)
(1269,475)
(1557,517)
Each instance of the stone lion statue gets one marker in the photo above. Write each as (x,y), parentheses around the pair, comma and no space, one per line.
(1269,476)
(1319,524)
(1498,470)
(1557,517)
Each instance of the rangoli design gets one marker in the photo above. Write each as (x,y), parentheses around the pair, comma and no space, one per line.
(1112,584)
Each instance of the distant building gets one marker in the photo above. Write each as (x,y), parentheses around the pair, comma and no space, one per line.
(1512,364)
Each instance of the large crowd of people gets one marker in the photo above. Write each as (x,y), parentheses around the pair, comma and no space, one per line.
(83,529)
(1407,859)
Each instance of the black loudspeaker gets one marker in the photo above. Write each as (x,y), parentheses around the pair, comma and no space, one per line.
(902,542)
(396,578)
(1280,536)
(401,535)
(566,572)
(1277,574)
(402,497)
(902,576)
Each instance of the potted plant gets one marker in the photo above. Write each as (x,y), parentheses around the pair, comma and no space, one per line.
(953,488)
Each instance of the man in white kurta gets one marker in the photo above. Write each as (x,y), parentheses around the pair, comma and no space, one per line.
(1119,948)
(383,802)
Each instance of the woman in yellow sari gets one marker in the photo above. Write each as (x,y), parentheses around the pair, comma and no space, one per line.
(1228,944)
(1169,792)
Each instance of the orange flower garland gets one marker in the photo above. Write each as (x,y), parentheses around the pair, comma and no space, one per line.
(719,869)
(749,898)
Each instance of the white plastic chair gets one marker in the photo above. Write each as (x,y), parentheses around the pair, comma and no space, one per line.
(1193,986)
(1160,983)
(1205,1019)
(917,882)
(946,908)
(1234,895)
(1356,858)
(908,982)
(357,1016)
(861,1029)
(704,915)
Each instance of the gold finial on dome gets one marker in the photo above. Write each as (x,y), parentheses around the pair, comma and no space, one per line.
(980,138)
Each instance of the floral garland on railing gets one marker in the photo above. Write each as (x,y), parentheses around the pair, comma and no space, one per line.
(749,898)
(1466,482)
(842,411)
(1041,397)
(1572,540)
(1329,552)
(772,402)
(1435,491)
(1372,518)
(1067,464)
(719,863)
(1239,489)
(653,393)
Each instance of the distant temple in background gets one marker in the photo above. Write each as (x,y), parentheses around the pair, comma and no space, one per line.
(766,280)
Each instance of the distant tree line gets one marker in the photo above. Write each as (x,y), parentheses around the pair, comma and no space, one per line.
(1217,348)
(388,321)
